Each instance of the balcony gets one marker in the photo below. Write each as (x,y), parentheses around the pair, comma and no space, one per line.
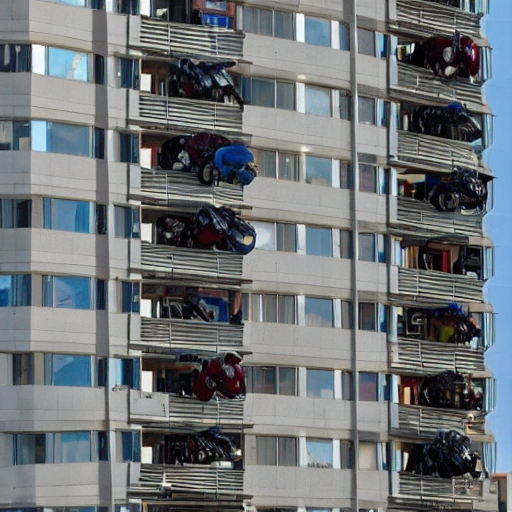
(425,19)
(167,333)
(165,188)
(421,216)
(422,84)
(427,357)
(188,481)
(190,116)
(434,153)
(190,264)
(184,39)
(447,489)
(148,408)
(431,284)
(423,422)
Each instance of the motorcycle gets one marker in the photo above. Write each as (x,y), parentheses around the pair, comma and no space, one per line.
(450,122)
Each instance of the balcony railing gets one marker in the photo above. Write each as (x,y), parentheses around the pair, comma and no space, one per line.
(427,357)
(189,480)
(184,263)
(189,335)
(424,422)
(164,188)
(431,284)
(422,83)
(422,487)
(428,18)
(192,40)
(188,115)
(418,216)
(436,153)
(190,412)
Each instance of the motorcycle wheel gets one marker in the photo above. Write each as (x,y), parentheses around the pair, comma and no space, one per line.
(448,201)
(206,174)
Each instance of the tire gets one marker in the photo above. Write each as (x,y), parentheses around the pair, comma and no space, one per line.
(448,201)
(206,173)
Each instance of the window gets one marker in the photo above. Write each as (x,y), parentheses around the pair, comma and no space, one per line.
(272,237)
(73,292)
(75,216)
(128,7)
(345,175)
(320,384)
(286,237)
(276,451)
(15,290)
(61,63)
(92,4)
(367,455)
(124,372)
(129,148)
(383,45)
(129,75)
(288,167)
(317,31)
(127,223)
(286,309)
(30,449)
(319,453)
(23,369)
(271,380)
(344,37)
(266,161)
(102,446)
(319,171)
(346,314)
(347,386)
(318,241)
(345,106)
(346,245)
(15,213)
(367,178)
(366,42)
(368,385)
(347,455)
(14,58)
(283,25)
(367,317)
(285,95)
(131,297)
(131,446)
(263,92)
(319,312)
(367,245)
(318,101)
(67,370)
(366,110)
(74,447)
(268,23)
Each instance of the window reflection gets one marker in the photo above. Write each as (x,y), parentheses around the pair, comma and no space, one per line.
(318,101)
(320,384)
(318,31)
(319,453)
(319,312)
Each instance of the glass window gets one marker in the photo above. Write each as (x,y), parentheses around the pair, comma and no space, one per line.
(30,449)
(288,165)
(67,215)
(346,248)
(15,290)
(287,381)
(366,110)
(366,42)
(286,309)
(319,171)
(131,297)
(347,454)
(344,37)
(67,292)
(62,138)
(102,445)
(262,92)
(5,135)
(320,384)
(319,312)
(266,161)
(21,135)
(318,31)
(384,113)
(287,451)
(368,383)
(129,73)
(67,370)
(23,369)
(382,248)
(367,320)
(318,241)
(127,223)
(286,235)
(383,42)
(101,294)
(318,101)
(283,25)
(347,386)
(128,7)
(346,314)
(345,175)
(15,213)
(269,308)
(257,21)
(129,145)
(366,247)
(75,447)
(319,453)
(266,451)
(99,69)
(367,455)
(367,178)
(68,64)
(285,95)
(131,446)
(14,58)
(264,380)
(124,372)
(265,235)
(345,106)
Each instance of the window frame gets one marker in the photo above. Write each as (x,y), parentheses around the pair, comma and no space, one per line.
(49,293)
(14,206)
(317,393)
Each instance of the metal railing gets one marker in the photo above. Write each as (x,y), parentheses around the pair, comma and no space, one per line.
(420,216)
(189,115)
(184,263)
(164,188)
(450,488)
(427,357)
(428,18)
(193,40)
(189,334)
(433,284)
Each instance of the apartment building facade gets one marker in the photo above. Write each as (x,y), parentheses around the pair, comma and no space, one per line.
(340,298)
